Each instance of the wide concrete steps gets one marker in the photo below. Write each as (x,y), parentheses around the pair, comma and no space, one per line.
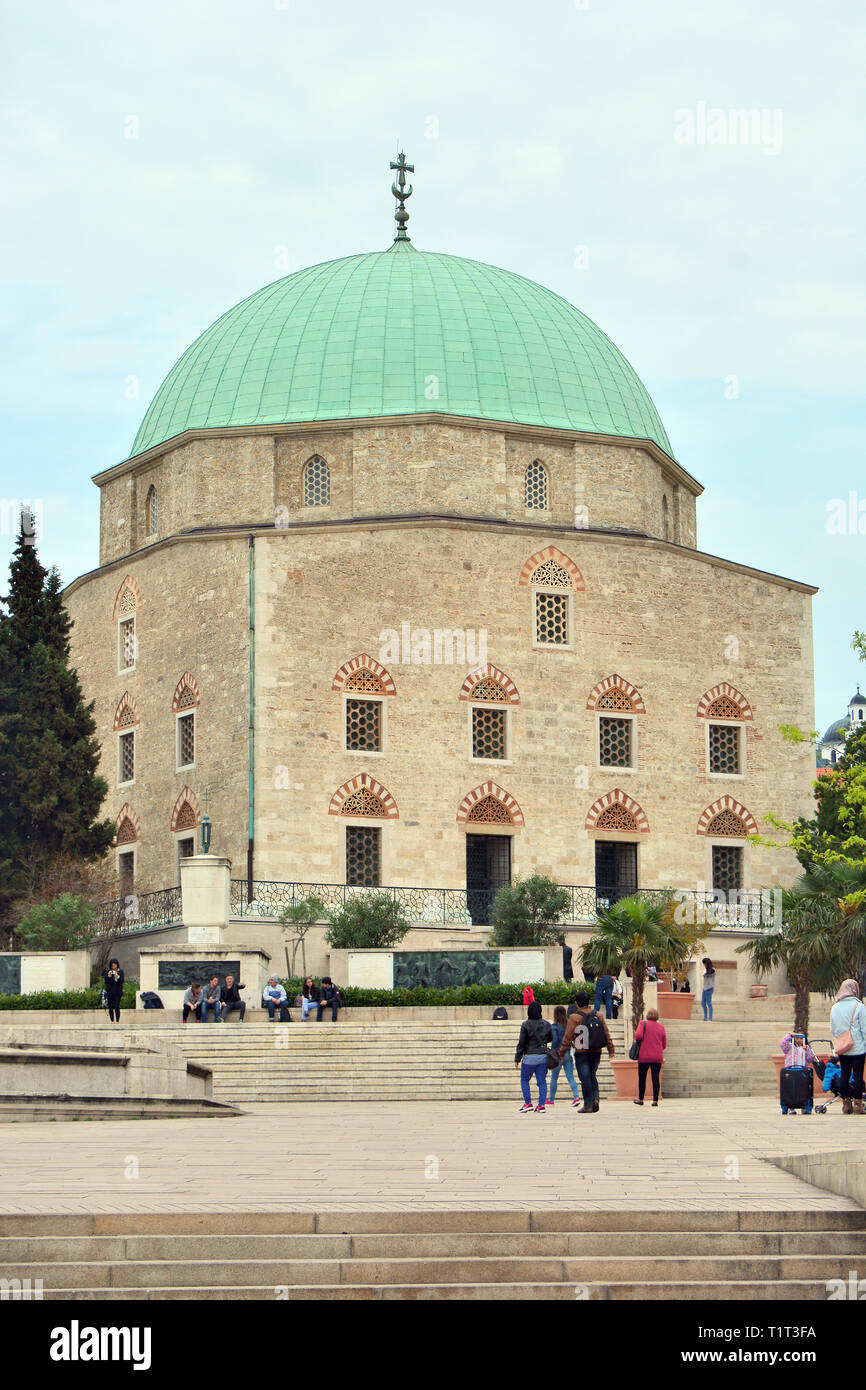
(462,1255)
(442,1060)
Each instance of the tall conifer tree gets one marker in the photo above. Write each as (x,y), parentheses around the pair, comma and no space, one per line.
(50,791)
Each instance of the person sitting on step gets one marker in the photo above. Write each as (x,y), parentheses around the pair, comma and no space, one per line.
(310,996)
(210,999)
(230,997)
(274,997)
(192,1002)
(329,994)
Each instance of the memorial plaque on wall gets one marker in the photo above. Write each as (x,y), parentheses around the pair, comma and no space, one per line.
(445,969)
(180,974)
(10,974)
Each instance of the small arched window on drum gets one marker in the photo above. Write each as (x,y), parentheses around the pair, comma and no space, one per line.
(317,483)
(535,492)
(152,512)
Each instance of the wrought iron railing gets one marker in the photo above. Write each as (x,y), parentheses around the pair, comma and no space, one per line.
(139,912)
(472,907)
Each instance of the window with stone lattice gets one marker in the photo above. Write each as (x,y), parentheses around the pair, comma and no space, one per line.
(363,856)
(126,757)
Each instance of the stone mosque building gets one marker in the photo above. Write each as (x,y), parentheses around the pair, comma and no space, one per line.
(403,573)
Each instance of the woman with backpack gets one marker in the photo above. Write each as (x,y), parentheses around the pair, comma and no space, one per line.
(588,1033)
(653,1040)
(708,985)
(848,1026)
(560,1023)
(531,1057)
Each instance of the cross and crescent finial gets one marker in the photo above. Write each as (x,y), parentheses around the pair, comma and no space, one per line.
(401,193)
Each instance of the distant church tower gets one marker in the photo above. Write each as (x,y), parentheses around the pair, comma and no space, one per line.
(832,745)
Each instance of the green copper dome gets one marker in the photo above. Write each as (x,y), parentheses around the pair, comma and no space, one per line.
(401,332)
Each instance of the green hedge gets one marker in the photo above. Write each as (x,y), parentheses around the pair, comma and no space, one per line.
(67,998)
(546,992)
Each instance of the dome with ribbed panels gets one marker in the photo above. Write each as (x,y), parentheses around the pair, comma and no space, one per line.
(402,332)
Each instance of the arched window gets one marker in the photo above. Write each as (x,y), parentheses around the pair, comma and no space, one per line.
(535,496)
(152,512)
(317,483)
(554,578)
(666,524)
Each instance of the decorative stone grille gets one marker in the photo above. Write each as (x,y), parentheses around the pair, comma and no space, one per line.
(185,818)
(363,803)
(125,717)
(491,691)
(551,575)
(535,487)
(127,758)
(128,602)
(615,699)
(363,726)
(186,699)
(489,811)
(727,867)
(488,733)
(614,742)
(126,832)
(367,682)
(363,856)
(725,748)
(724,708)
(616,817)
(551,619)
(317,483)
(726,823)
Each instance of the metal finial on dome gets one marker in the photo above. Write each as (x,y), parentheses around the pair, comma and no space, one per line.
(401,193)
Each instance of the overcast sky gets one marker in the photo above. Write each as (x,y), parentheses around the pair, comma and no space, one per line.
(158,159)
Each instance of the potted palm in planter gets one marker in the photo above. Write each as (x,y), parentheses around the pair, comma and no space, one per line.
(627,936)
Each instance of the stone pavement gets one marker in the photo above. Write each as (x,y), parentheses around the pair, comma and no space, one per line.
(689,1155)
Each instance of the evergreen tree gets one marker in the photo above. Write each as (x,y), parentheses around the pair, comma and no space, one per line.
(51,793)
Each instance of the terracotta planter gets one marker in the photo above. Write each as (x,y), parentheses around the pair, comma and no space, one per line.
(671,1005)
(665,980)
(758,992)
(780,1060)
(625,1075)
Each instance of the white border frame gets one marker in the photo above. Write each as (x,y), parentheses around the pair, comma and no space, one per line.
(627,768)
(508,760)
(126,618)
(179,715)
(382,701)
(731,724)
(553,646)
(121,734)
(371,823)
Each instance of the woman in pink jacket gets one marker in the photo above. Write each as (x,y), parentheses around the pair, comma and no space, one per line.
(653,1041)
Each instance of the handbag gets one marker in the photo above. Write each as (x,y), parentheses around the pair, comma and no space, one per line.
(845,1041)
(634,1050)
(552,1059)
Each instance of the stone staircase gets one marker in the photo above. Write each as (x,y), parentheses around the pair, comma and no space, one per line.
(459,1255)
(442,1060)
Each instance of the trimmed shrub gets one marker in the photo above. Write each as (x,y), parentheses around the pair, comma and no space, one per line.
(67,998)
(546,992)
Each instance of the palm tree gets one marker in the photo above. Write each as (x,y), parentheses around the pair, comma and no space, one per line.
(841,887)
(631,934)
(807,943)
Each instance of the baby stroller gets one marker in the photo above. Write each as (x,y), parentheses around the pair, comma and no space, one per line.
(830,1079)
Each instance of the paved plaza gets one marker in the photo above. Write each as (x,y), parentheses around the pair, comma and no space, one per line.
(689,1155)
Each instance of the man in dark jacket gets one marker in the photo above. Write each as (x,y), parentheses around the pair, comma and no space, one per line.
(329,994)
(230,997)
(588,1033)
(567,954)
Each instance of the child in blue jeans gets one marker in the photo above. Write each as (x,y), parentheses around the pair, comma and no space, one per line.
(531,1057)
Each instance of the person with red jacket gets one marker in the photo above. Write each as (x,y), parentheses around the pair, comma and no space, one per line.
(653,1040)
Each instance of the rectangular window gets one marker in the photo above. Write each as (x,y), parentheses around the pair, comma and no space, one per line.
(489,732)
(126,872)
(614,742)
(126,758)
(727,867)
(186,740)
(725,749)
(364,726)
(185,850)
(551,620)
(363,855)
(126,637)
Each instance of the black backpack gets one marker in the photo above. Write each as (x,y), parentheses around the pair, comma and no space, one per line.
(595,1037)
(150,1000)
(500,1012)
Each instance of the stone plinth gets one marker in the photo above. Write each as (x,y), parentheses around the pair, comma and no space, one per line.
(181,962)
(28,972)
(205,886)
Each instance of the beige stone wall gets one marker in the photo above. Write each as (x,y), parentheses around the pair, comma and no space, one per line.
(193,616)
(392,468)
(663,619)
